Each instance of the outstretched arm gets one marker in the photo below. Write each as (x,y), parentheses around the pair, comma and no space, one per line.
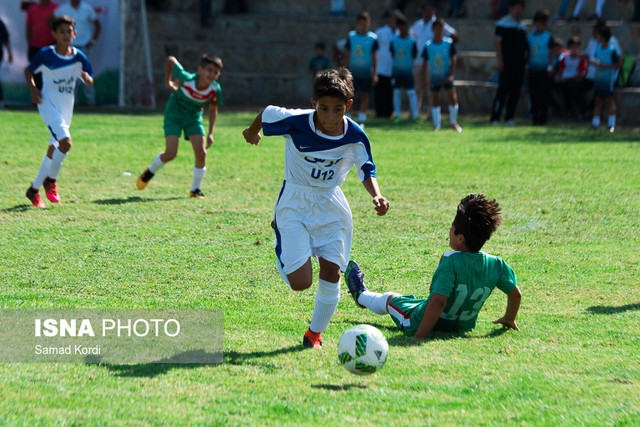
(381,205)
(513,305)
(168,69)
(252,133)
(432,313)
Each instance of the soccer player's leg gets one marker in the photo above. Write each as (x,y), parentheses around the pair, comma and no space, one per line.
(326,302)
(171,151)
(453,108)
(198,142)
(436,111)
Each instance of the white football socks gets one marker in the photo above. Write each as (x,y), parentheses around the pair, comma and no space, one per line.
(43,172)
(413,102)
(327,298)
(374,301)
(397,102)
(436,116)
(198,176)
(56,163)
(453,114)
(157,164)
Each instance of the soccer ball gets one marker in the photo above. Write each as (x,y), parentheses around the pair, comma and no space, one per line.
(362,350)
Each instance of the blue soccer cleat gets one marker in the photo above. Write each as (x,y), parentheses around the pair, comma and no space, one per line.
(355,281)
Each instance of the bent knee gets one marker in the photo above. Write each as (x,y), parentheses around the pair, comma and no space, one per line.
(300,285)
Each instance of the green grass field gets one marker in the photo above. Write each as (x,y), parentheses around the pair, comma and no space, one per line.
(570,201)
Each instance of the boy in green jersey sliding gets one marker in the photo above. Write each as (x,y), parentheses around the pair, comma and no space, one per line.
(461,283)
(191,94)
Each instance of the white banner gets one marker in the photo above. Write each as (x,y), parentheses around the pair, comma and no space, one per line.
(105,56)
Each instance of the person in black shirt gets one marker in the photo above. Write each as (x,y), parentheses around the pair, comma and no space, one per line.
(512,51)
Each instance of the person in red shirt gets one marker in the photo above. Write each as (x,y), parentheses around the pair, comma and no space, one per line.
(38,26)
(571,71)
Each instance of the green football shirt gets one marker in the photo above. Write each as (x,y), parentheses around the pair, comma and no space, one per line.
(467,279)
(188,101)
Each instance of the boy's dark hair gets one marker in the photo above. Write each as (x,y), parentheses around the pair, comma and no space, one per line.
(573,41)
(439,22)
(364,16)
(476,219)
(62,19)
(207,59)
(337,83)
(401,20)
(320,45)
(516,3)
(541,15)
(604,32)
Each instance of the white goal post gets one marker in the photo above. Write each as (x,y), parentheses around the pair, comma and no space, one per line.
(136,75)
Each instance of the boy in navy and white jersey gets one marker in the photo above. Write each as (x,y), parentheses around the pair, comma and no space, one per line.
(312,216)
(404,50)
(61,66)
(607,62)
(540,67)
(361,58)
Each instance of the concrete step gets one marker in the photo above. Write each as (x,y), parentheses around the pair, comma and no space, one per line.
(271,44)
(612,10)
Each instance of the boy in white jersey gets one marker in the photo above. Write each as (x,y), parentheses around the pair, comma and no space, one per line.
(440,58)
(461,283)
(61,66)
(191,93)
(312,216)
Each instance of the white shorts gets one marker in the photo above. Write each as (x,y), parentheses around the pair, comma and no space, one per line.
(311,221)
(57,122)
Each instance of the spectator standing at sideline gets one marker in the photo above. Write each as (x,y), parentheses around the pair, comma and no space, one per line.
(361,58)
(319,62)
(571,71)
(422,32)
(540,67)
(512,50)
(4,42)
(384,90)
(88,29)
(404,50)
(607,62)
(38,29)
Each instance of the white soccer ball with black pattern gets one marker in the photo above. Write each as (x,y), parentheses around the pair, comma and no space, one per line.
(362,350)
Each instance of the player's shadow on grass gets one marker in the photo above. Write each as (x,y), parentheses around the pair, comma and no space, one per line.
(134,199)
(406,339)
(17,208)
(602,309)
(184,360)
(162,366)
(340,387)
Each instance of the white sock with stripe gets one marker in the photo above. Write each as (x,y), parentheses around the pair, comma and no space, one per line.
(327,297)
(374,301)
(43,172)
(198,176)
